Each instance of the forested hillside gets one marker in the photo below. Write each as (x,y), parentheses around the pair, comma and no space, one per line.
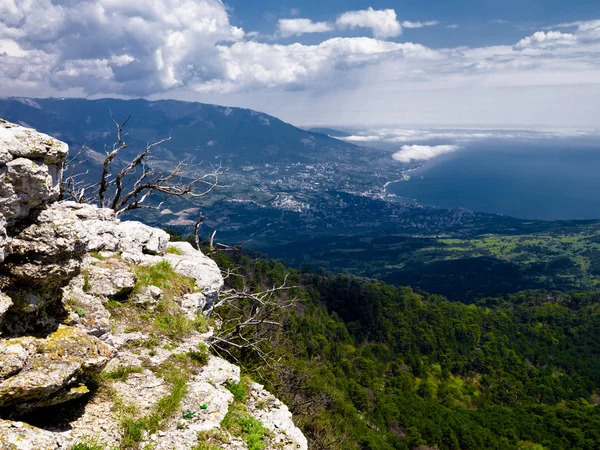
(366,365)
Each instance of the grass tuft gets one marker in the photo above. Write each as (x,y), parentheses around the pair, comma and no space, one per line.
(88,443)
(163,276)
(121,373)
(174,251)
(239,391)
(254,432)
(201,355)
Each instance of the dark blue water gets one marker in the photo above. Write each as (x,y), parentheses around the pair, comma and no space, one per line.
(549,179)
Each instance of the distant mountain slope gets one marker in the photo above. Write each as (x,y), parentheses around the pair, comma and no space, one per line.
(329,132)
(231,135)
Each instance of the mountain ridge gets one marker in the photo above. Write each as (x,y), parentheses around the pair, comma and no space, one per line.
(231,134)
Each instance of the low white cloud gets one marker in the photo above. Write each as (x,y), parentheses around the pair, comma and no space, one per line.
(423,152)
(296,27)
(587,29)
(545,40)
(382,23)
(429,23)
(461,136)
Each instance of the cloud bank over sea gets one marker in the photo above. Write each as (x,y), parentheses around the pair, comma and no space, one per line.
(411,153)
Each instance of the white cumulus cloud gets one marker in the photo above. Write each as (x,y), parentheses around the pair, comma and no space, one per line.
(136,47)
(383,23)
(260,64)
(296,27)
(423,152)
(541,39)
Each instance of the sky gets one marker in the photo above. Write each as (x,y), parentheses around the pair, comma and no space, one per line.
(468,63)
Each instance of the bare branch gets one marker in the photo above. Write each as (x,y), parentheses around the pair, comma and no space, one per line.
(138,180)
(247,319)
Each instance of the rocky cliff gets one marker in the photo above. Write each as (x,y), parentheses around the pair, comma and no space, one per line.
(102,340)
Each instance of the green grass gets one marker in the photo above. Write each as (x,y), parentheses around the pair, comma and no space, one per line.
(254,433)
(98,256)
(239,423)
(203,445)
(121,373)
(86,282)
(171,322)
(239,391)
(237,420)
(174,251)
(88,443)
(201,355)
(163,276)
(176,372)
(204,440)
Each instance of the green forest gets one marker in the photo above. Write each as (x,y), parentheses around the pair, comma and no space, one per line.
(366,365)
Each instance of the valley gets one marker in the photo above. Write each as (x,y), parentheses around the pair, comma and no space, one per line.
(315,201)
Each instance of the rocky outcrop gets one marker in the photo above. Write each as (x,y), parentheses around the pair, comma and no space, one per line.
(31,165)
(192,263)
(45,372)
(21,436)
(74,302)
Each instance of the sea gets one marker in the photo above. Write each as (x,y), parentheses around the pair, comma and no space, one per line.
(545,176)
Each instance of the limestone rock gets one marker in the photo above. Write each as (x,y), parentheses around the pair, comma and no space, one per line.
(137,239)
(209,388)
(116,281)
(148,296)
(5,303)
(275,417)
(192,304)
(194,264)
(5,241)
(31,165)
(86,312)
(61,231)
(69,229)
(54,372)
(52,247)
(14,354)
(20,436)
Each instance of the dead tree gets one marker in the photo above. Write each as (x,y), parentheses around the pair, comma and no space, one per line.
(248,319)
(126,186)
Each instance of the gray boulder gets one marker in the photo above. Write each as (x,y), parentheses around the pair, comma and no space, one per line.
(21,436)
(45,372)
(194,264)
(148,296)
(116,281)
(137,239)
(86,311)
(192,304)
(51,247)
(31,166)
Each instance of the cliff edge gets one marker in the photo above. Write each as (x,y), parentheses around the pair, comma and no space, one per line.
(102,336)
